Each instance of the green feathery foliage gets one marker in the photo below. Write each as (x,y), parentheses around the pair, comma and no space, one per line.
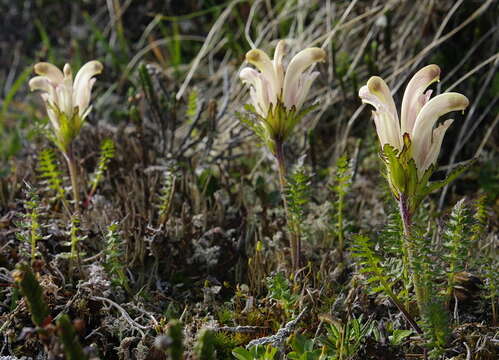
(31,228)
(457,243)
(204,349)
(114,251)
(69,338)
(340,186)
(250,120)
(74,239)
(277,126)
(479,220)
(390,240)
(166,195)
(435,325)
(429,265)
(33,292)
(50,173)
(107,152)
(490,270)
(370,262)
(297,193)
(489,263)
(380,278)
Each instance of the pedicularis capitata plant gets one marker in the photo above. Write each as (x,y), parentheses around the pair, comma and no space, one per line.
(410,147)
(68,104)
(277,97)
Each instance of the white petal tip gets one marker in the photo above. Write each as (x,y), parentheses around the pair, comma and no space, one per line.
(35,83)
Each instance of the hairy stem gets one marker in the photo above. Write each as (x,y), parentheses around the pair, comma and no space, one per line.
(408,244)
(73,174)
(294,234)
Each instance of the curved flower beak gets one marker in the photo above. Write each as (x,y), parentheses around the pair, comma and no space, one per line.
(83,85)
(377,94)
(49,71)
(434,150)
(293,91)
(415,97)
(263,63)
(426,142)
(278,67)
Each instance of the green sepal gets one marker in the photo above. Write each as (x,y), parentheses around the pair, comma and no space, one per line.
(410,165)
(69,127)
(402,174)
(395,171)
(250,108)
(277,126)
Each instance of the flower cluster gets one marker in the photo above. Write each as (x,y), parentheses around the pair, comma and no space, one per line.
(67,101)
(410,147)
(278,93)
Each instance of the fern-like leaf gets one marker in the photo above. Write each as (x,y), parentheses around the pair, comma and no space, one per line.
(107,152)
(50,173)
(114,264)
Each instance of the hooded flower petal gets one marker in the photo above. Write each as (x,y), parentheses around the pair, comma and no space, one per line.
(54,119)
(299,63)
(431,157)
(377,94)
(427,118)
(262,61)
(278,67)
(65,92)
(83,99)
(249,76)
(83,84)
(51,72)
(414,97)
(40,83)
(305,84)
(262,95)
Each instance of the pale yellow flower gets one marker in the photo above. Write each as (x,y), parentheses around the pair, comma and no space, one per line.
(418,116)
(273,84)
(67,101)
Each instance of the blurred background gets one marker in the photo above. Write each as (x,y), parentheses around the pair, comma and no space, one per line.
(168,98)
(200,45)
